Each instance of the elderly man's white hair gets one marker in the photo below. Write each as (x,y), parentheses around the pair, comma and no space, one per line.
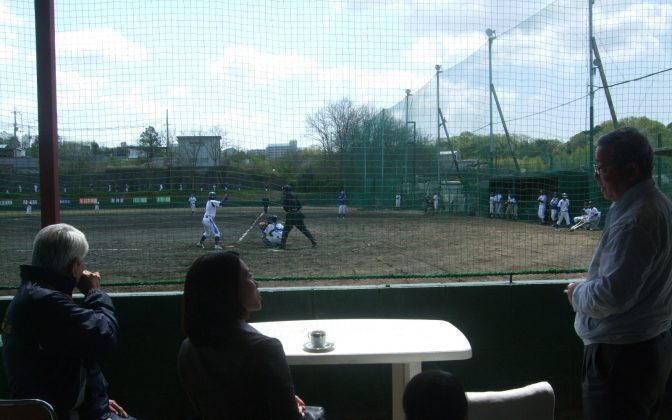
(55,246)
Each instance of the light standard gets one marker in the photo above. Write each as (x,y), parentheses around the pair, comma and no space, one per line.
(491,37)
(438,126)
(408,93)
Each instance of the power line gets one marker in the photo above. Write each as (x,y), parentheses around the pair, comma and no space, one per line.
(581,97)
(640,78)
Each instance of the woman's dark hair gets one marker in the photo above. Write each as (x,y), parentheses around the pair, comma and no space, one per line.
(435,395)
(211,296)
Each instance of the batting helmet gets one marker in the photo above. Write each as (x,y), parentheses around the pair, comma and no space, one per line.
(287,187)
(212,195)
(272,219)
(564,195)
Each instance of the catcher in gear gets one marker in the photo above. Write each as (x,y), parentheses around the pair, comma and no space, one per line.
(271,231)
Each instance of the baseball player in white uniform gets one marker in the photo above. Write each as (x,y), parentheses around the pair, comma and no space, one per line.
(591,216)
(498,204)
(563,214)
(192,203)
(397,201)
(209,226)
(554,208)
(271,231)
(541,212)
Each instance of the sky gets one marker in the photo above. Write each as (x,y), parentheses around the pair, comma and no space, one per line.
(255,69)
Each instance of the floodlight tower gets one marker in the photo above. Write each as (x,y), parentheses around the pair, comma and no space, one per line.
(438,125)
(491,37)
(408,93)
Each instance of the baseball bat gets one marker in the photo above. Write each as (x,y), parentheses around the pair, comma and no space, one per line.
(252,226)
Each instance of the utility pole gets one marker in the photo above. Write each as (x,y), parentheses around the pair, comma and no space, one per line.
(16,126)
(170,159)
(408,93)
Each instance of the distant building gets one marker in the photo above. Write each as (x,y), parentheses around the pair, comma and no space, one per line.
(136,153)
(9,152)
(199,151)
(278,150)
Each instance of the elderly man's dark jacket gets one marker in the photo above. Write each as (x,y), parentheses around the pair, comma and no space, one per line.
(51,342)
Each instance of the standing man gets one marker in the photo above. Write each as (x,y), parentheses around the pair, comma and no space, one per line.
(192,203)
(294,216)
(624,308)
(342,204)
(436,202)
(52,344)
(554,208)
(541,212)
(397,201)
(209,226)
(563,211)
(498,204)
(492,204)
(511,206)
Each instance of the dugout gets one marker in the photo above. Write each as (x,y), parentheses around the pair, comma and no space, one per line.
(579,186)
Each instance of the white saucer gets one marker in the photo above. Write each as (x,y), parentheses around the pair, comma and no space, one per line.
(312,349)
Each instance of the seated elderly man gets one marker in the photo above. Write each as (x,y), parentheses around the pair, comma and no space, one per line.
(52,344)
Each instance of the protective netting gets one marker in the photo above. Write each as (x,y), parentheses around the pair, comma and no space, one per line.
(422,112)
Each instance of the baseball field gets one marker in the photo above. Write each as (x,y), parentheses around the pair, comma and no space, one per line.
(151,249)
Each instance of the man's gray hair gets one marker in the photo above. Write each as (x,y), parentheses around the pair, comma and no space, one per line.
(55,246)
(629,145)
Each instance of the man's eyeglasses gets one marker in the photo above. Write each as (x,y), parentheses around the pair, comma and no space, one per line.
(598,167)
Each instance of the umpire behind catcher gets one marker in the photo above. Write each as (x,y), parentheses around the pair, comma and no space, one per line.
(294,216)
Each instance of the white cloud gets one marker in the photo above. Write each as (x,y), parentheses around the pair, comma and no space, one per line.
(76,89)
(8,49)
(633,32)
(363,86)
(445,49)
(260,67)
(180,92)
(106,42)
(7,18)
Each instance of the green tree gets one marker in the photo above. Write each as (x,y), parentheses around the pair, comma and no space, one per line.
(334,125)
(150,142)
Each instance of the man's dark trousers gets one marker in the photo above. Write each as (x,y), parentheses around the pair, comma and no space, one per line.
(626,381)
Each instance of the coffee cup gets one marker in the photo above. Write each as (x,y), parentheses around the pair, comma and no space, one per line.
(318,338)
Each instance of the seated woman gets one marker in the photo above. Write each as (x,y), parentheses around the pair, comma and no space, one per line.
(229,369)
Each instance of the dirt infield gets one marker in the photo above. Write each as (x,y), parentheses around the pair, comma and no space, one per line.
(158,245)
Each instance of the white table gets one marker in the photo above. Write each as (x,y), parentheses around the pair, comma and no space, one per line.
(403,343)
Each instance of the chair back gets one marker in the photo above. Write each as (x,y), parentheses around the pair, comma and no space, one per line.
(532,402)
(26,409)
